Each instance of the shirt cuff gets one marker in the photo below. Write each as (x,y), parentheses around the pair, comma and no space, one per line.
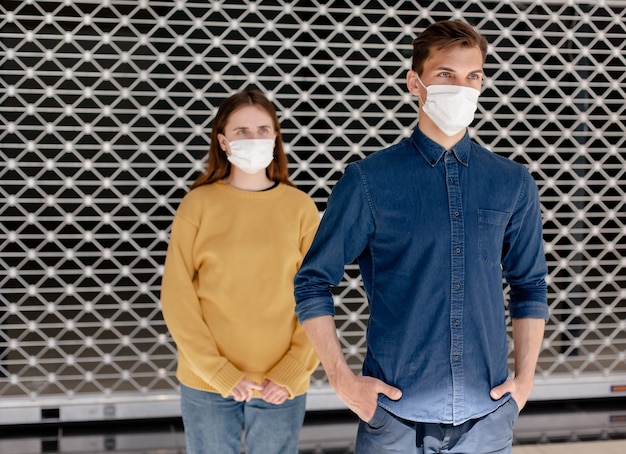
(314,307)
(529,309)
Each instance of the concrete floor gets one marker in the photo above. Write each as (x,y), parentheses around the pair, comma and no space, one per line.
(586,447)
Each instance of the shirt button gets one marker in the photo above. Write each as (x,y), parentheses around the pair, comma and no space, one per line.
(456,213)
(457,286)
(458,250)
(451,180)
(456,323)
(456,357)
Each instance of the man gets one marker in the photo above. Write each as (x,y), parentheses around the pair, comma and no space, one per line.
(434,221)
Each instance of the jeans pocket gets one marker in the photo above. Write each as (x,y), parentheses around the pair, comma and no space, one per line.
(509,411)
(378,419)
(515,406)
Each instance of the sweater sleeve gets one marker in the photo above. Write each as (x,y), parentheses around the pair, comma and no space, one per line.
(182,313)
(294,369)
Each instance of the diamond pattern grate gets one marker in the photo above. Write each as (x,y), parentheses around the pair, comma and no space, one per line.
(106,109)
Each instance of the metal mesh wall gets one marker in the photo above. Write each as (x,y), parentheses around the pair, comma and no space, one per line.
(106,109)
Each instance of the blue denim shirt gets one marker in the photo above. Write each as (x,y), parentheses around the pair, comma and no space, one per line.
(434,231)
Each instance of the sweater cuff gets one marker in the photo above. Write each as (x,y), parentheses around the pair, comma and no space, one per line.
(226,379)
(290,374)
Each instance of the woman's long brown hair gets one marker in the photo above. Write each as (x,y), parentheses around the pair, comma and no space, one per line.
(218,166)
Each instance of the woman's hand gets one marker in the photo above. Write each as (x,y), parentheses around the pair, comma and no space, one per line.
(273,393)
(244,390)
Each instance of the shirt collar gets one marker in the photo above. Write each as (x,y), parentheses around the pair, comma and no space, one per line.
(432,151)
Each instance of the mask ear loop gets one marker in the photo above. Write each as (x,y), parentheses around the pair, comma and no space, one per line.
(219,142)
(419,98)
(420,80)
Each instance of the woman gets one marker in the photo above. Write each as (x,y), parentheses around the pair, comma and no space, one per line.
(238,238)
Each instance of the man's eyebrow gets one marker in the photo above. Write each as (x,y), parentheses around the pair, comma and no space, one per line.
(445,68)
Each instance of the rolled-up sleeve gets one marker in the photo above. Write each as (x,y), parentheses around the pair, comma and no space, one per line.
(524,260)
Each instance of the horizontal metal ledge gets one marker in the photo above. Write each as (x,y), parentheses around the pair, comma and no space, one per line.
(126,406)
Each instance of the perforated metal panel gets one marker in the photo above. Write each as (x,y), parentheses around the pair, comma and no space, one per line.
(106,109)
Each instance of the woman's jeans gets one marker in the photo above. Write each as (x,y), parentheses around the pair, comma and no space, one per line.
(214,424)
(386,433)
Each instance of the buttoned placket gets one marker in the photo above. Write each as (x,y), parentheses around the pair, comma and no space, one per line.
(457,246)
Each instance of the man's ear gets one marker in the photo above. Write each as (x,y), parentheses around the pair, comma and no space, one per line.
(412,83)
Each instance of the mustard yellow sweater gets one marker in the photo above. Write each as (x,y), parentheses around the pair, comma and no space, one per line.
(227,289)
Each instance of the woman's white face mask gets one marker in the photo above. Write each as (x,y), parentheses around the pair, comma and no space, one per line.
(450,107)
(251,155)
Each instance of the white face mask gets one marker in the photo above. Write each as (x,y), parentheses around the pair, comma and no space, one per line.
(251,155)
(450,107)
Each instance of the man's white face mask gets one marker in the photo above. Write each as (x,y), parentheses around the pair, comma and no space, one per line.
(251,155)
(450,107)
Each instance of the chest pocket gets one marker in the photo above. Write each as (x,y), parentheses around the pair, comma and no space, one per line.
(491,227)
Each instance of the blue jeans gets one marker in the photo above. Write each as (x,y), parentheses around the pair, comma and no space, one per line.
(215,425)
(491,434)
